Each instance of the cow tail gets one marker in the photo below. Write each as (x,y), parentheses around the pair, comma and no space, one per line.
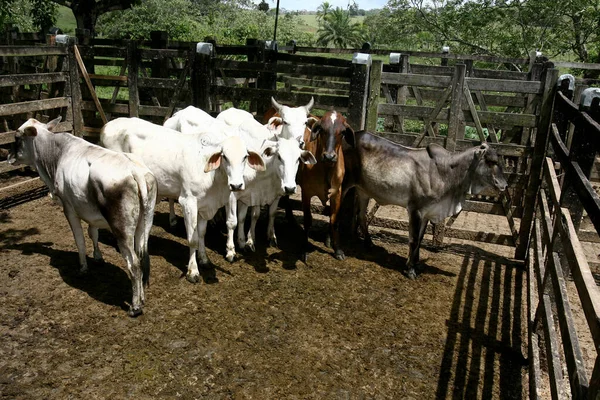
(147,190)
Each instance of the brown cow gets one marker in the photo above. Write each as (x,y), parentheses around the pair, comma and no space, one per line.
(324,179)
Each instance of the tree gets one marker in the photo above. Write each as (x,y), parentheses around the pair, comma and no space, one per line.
(324,9)
(263,6)
(337,28)
(43,14)
(86,12)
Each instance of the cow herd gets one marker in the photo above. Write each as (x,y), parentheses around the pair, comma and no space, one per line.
(236,162)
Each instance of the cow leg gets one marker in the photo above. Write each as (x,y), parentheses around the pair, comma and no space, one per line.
(190,217)
(231,223)
(75,224)
(134,270)
(93,233)
(363,202)
(271,227)
(252,232)
(307,224)
(416,226)
(334,223)
(241,235)
(172,215)
(202,224)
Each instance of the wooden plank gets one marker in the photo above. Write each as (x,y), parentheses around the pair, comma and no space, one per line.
(473,110)
(537,161)
(89,84)
(163,53)
(498,74)
(31,79)
(24,51)
(495,85)
(571,348)
(552,182)
(301,59)
(9,137)
(108,77)
(175,97)
(110,52)
(374,89)
(415,80)
(571,64)
(316,82)
(321,101)
(312,70)
(456,116)
(32,106)
(431,70)
(515,101)
(535,373)
(132,82)
(582,276)
(432,117)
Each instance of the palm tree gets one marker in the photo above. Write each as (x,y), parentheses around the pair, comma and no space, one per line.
(324,9)
(338,29)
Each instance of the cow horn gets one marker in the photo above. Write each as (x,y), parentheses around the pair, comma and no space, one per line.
(310,104)
(275,104)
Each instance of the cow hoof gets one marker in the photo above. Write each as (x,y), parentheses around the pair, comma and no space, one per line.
(83,270)
(273,242)
(134,312)
(340,255)
(250,247)
(230,256)
(304,257)
(411,274)
(195,278)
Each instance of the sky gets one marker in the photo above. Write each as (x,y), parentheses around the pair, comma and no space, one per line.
(312,5)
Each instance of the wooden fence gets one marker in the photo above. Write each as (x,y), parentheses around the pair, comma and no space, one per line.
(560,283)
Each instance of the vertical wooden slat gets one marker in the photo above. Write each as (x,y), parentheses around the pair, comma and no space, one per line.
(132,78)
(537,160)
(357,99)
(373,94)
(456,114)
(76,98)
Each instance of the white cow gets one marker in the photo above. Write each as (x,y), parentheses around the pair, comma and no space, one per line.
(201,177)
(244,121)
(283,157)
(293,120)
(106,189)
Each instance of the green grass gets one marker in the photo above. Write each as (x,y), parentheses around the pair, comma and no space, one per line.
(66,20)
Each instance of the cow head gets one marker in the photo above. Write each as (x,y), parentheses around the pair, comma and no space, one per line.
(488,170)
(233,157)
(329,132)
(293,120)
(22,150)
(286,157)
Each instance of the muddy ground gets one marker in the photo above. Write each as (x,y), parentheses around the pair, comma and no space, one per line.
(264,327)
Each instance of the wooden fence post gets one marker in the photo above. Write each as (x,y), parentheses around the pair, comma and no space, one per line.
(537,160)
(444,60)
(75,88)
(266,80)
(359,86)
(455,123)
(203,76)
(583,151)
(160,66)
(373,95)
(133,61)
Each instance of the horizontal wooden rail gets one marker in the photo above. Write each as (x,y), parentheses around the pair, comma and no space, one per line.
(36,105)
(32,79)
(23,51)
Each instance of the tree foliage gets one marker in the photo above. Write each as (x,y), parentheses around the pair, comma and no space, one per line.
(338,30)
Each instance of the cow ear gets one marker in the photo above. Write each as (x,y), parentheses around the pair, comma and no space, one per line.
(269,151)
(52,124)
(314,131)
(308,158)
(349,135)
(311,121)
(30,131)
(274,124)
(255,161)
(213,162)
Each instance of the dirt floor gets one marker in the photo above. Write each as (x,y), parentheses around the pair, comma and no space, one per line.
(265,327)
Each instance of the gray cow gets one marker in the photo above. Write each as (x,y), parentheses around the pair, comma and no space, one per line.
(431,182)
(106,189)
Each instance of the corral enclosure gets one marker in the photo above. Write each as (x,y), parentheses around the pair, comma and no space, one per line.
(433,319)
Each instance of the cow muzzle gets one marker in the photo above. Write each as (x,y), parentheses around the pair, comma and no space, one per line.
(236,187)
(289,190)
(330,157)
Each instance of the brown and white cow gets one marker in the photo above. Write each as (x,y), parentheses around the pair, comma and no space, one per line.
(430,182)
(104,188)
(324,179)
